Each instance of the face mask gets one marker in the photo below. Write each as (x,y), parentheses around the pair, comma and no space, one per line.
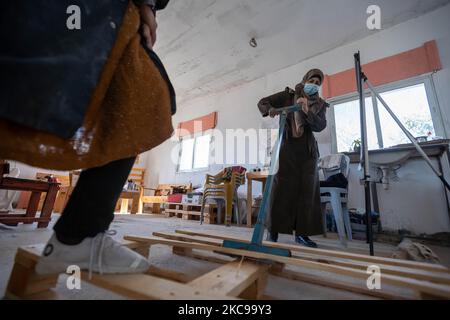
(311,89)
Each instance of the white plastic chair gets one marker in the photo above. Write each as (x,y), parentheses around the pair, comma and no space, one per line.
(338,198)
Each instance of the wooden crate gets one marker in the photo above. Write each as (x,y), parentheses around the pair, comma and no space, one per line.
(191,212)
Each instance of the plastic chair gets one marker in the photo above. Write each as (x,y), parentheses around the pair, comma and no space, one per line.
(338,198)
(220,189)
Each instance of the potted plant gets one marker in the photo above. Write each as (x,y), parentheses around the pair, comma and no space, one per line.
(357,146)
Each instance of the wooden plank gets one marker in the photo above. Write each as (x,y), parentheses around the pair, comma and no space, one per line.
(256,290)
(437,277)
(231,279)
(331,253)
(169,274)
(23,281)
(340,285)
(293,275)
(331,242)
(25,185)
(136,286)
(181,237)
(440,290)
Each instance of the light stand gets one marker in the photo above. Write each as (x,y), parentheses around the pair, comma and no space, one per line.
(362,79)
(364,152)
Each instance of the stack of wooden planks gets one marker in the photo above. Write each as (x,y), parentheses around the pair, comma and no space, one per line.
(243,274)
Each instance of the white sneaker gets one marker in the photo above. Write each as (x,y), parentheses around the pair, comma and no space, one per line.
(101,254)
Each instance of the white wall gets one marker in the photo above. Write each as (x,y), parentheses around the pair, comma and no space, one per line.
(425,211)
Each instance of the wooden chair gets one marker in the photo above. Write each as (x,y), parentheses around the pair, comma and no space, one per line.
(37,188)
(63,194)
(137,175)
(224,189)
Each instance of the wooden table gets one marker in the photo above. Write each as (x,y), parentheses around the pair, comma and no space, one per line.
(37,188)
(135,197)
(254,176)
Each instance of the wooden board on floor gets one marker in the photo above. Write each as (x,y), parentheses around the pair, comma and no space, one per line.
(330,253)
(242,274)
(226,283)
(437,289)
(432,276)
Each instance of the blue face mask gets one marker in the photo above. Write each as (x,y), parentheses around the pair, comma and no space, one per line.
(311,89)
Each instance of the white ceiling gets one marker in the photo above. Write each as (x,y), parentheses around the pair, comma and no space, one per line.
(204,44)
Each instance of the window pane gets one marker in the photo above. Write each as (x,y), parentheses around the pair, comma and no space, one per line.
(411,106)
(348,127)
(187,152)
(201,153)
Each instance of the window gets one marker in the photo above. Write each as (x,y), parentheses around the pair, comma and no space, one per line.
(411,107)
(347,117)
(194,153)
(413,103)
(187,154)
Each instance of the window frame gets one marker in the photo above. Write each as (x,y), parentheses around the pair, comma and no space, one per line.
(426,80)
(195,137)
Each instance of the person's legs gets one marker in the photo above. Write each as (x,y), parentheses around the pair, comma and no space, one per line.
(80,234)
(90,209)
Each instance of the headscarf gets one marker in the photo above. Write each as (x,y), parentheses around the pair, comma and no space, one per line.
(313,73)
(316,104)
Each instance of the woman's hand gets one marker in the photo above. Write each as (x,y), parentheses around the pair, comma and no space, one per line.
(303,102)
(149,25)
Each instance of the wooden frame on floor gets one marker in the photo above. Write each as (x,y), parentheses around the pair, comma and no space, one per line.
(243,274)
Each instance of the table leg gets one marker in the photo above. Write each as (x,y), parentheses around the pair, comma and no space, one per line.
(135,205)
(249,202)
(141,203)
(47,208)
(33,205)
(124,206)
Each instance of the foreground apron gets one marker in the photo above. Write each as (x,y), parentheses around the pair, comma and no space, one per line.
(129,111)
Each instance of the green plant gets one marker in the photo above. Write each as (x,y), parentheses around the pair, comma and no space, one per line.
(356,144)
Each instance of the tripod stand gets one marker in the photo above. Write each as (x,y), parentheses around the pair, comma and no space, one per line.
(362,79)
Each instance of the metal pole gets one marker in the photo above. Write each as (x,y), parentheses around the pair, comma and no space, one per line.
(360,78)
(409,135)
